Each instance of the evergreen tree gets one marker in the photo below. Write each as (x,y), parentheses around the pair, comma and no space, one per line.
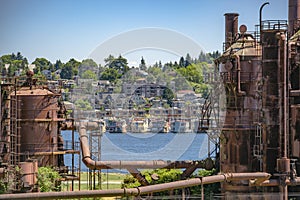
(160,65)
(181,62)
(188,59)
(143,65)
(58,65)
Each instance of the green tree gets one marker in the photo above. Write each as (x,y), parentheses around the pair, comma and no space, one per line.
(143,65)
(168,95)
(120,64)
(110,74)
(188,59)
(155,71)
(42,64)
(67,72)
(83,105)
(160,65)
(19,56)
(88,74)
(70,69)
(109,60)
(58,65)
(15,62)
(87,64)
(182,62)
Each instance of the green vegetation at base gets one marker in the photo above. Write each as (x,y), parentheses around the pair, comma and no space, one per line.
(48,179)
(117,181)
(107,181)
(170,175)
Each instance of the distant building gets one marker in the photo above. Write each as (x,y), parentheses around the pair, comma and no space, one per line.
(186,95)
(57,73)
(146,90)
(47,74)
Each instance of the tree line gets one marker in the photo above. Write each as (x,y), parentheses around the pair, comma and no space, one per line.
(114,68)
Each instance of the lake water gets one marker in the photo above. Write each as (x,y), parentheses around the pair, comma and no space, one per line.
(149,146)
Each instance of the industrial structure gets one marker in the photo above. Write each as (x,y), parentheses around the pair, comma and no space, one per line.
(258,140)
(260,73)
(32,118)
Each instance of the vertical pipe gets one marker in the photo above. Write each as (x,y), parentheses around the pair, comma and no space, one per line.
(79,161)
(94,179)
(238,69)
(283,112)
(285,109)
(202,189)
(260,19)
(73,148)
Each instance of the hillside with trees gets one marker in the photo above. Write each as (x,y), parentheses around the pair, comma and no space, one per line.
(115,68)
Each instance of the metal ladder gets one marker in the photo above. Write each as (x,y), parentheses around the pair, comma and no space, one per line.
(95,146)
(257,147)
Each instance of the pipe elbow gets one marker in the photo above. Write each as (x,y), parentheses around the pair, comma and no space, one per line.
(91,164)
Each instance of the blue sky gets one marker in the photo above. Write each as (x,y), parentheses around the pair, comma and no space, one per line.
(64,29)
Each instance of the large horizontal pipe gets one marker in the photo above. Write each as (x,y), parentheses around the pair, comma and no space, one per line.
(141,190)
(153,164)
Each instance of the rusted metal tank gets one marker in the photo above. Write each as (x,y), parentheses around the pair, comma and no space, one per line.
(38,124)
(240,71)
(28,171)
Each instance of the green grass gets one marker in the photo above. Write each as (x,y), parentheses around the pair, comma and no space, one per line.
(108,181)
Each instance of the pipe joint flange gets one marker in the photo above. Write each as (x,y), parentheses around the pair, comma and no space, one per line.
(227,177)
(81,136)
(84,157)
(201,179)
(125,192)
(139,192)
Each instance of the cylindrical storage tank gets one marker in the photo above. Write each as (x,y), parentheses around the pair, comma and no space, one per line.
(28,173)
(38,124)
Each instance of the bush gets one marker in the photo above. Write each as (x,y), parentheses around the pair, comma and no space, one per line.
(170,175)
(48,179)
(164,176)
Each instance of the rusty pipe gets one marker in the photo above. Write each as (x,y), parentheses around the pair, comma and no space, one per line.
(260,19)
(282,64)
(140,190)
(238,69)
(277,182)
(88,125)
(154,164)
(138,175)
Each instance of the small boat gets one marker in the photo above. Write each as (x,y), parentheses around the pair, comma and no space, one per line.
(159,126)
(180,126)
(116,126)
(139,125)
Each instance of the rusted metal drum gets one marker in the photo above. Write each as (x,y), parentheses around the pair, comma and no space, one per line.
(28,173)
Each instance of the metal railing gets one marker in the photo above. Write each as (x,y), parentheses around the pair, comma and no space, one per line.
(274,25)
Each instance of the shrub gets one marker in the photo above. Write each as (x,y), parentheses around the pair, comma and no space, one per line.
(48,179)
